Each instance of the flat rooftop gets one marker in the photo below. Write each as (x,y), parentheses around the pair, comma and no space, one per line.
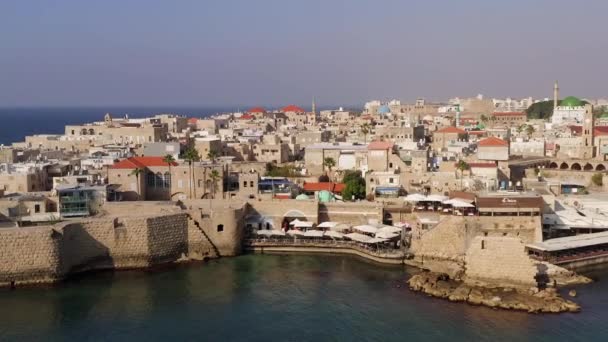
(570,242)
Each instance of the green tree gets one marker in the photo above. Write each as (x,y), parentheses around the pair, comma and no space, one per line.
(365,130)
(169,160)
(212,155)
(329,163)
(215,176)
(530,130)
(540,110)
(137,172)
(597,179)
(354,185)
(462,166)
(483,118)
(191,155)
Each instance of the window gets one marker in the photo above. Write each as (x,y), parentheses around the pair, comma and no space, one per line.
(244,184)
(37,208)
(483,244)
(167,180)
(390,180)
(251,184)
(220,227)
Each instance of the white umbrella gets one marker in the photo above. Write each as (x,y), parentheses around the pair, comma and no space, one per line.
(327,224)
(265,232)
(386,235)
(334,234)
(341,227)
(313,233)
(390,229)
(275,232)
(294,222)
(436,198)
(375,240)
(294,232)
(358,237)
(303,224)
(414,198)
(366,228)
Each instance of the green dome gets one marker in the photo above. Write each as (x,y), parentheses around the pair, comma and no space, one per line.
(302,197)
(325,196)
(571,101)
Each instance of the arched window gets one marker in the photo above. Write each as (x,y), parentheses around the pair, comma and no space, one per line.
(167,180)
(159,180)
(150,179)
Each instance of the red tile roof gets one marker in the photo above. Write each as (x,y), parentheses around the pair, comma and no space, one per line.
(451,129)
(477,132)
(600,130)
(246,117)
(380,145)
(257,110)
(292,108)
(329,186)
(140,163)
(493,142)
(192,120)
(576,130)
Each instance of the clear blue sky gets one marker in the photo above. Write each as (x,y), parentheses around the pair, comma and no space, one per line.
(273,52)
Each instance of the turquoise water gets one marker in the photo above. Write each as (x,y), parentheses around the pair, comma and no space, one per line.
(272,297)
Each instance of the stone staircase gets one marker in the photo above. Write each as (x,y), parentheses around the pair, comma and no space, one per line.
(199,252)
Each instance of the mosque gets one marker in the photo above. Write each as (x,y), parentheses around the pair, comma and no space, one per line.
(569,110)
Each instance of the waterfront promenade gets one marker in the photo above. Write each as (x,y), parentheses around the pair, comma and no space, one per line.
(381,253)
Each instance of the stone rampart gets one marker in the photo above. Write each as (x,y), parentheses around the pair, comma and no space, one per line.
(443,247)
(501,260)
(50,253)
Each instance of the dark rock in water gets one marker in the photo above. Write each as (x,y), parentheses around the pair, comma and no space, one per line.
(441,286)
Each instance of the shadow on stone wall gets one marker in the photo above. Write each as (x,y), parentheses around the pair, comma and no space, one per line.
(80,251)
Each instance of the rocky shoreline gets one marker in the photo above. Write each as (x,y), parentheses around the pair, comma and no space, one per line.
(532,300)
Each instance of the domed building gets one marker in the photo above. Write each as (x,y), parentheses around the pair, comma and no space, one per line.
(570,110)
(384,110)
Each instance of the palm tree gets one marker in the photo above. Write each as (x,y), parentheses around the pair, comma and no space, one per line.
(529,130)
(365,131)
(462,166)
(483,118)
(215,176)
(212,155)
(191,155)
(136,172)
(329,162)
(169,160)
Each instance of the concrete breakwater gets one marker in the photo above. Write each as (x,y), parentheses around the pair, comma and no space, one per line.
(531,300)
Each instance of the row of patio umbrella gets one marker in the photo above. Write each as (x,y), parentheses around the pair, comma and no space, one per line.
(358,237)
(334,231)
(455,202)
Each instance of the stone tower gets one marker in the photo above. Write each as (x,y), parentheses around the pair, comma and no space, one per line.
(555,95)
(588,134)
(314,107)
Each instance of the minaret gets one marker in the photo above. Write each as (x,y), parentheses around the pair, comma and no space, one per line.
(555,95)
(314,107)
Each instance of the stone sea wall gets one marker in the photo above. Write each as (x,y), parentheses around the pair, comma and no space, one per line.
(50,253)
(444,247)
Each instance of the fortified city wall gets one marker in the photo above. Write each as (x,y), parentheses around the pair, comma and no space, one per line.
(142,235)
(443,248)
(500,260)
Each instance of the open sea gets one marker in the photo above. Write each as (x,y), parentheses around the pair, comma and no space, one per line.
(16,123)
(277,298)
